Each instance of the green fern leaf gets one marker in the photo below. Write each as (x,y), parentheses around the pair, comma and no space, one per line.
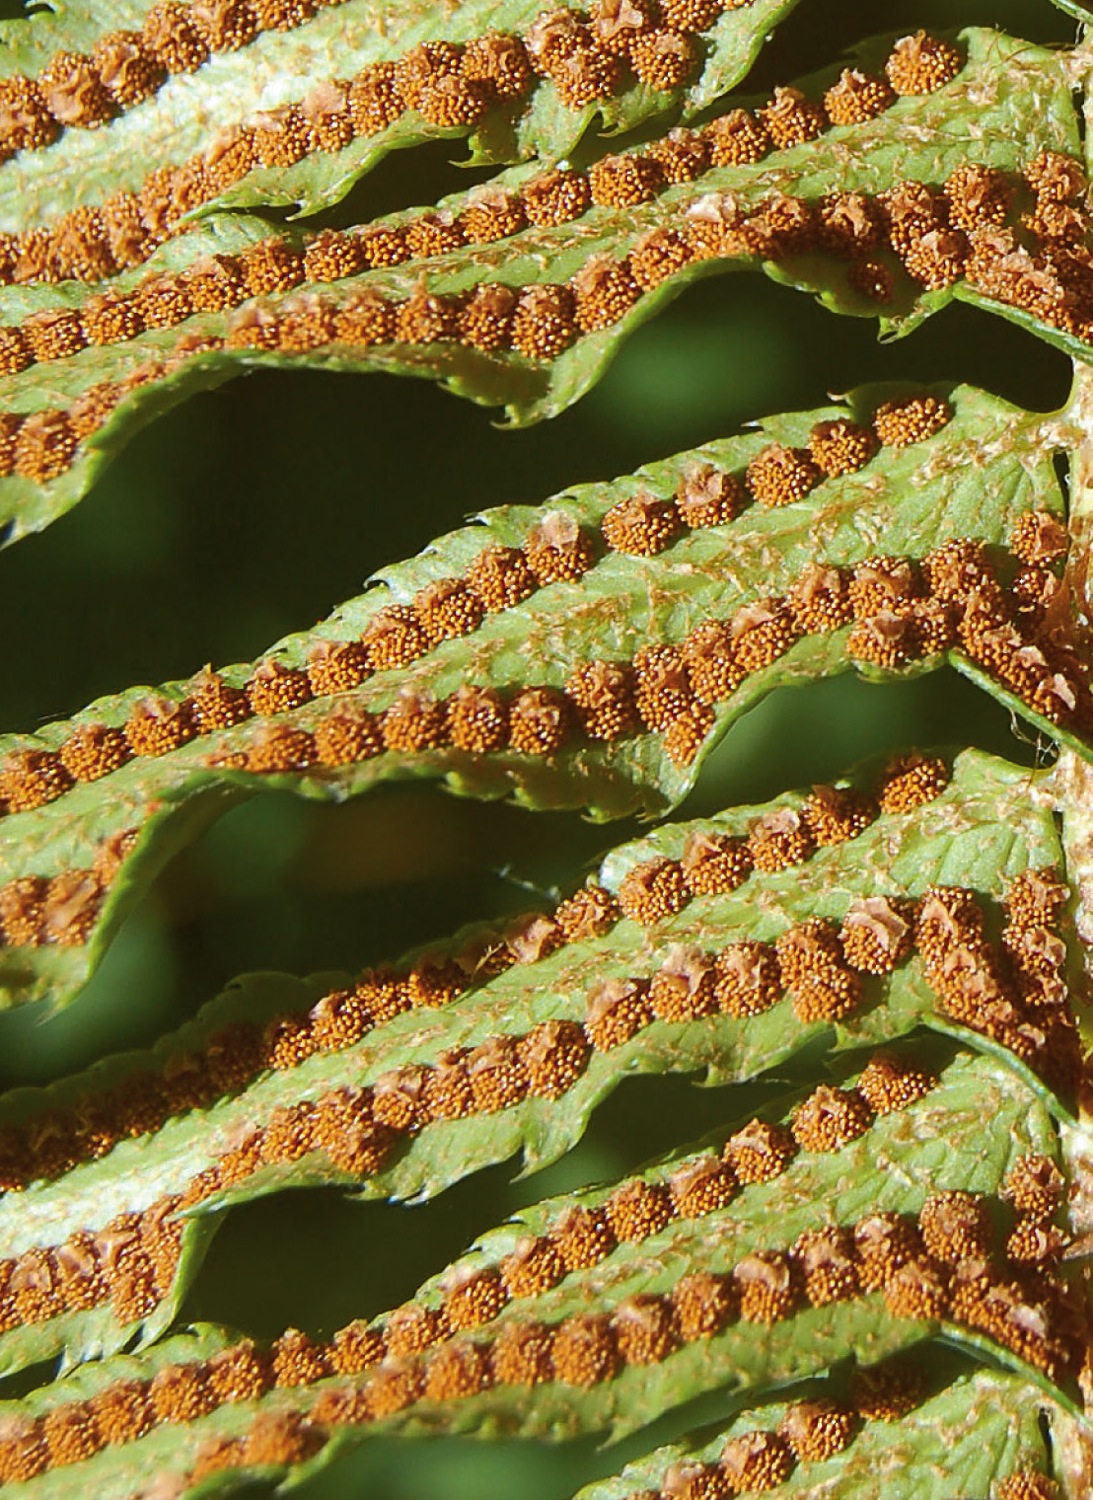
(225,1111)
(1007,103)
(98,842)
(648,1323)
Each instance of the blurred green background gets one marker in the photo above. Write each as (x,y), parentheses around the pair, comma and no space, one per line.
(250,512)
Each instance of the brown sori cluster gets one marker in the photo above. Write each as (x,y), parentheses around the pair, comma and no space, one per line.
(1022,635)
(239,1051)
(644,525)
(666,690)
(398,634)
(132,1262)
(1026,1484)
(556,549)
(61,910)
(744,979)
(448,84)
(423,1351)
(443,82)
(539,323)
(1018,996)
(940,1268)
(763,1459)
(418,1351)
(1039,261)
(124,68)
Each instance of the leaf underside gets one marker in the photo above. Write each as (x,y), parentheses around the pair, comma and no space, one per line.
(70,869)
(978,1429)
(974,479)
(1009,102)
(979,834)
(964,1135)
(232,88)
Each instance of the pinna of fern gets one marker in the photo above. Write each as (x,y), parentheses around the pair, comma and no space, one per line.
(873,1275)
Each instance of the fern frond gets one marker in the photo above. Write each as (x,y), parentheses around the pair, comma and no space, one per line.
(968,1434)
(529,314)
(587,653)
(598,1311)
(155,110)
(504,1042)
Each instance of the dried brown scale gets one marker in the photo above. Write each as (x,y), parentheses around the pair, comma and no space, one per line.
(644,1329)
(830,1118)
(849,225)
(857,97)
(663,59)
(778,474)
(583,1238)
(873,279)
(778,840)
(877,934)
(760,1151)
(790,119)
(818,1430)
(688,1480)
(922,64)
(918,1290)
(911,781)
(584,1352)
(684,987)
(543,322)
(760,633)
(888,1083)
(769,1287)
(1033,1244)
(715,864)
(828,1263)
(603,695)
(841,447)
(1035,1186)
(889,1390)
(956,1226)
(639,1209)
